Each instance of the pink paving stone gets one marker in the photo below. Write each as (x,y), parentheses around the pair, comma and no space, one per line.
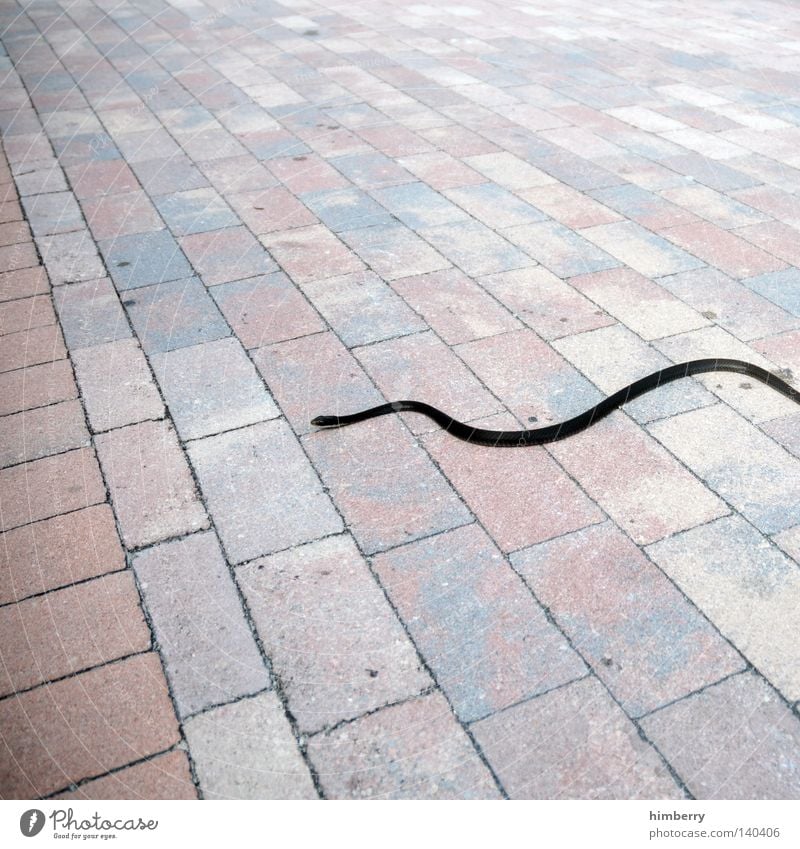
(32,434)
(333,641)
(394,140)
(49,487)
(84,726)
(776,202)
(454,306)
(105,176)
(647,492)
(311,253)
(423,368)
(573,743)
(116,385)
(441,171)
(162,777)
(395,499)
(23,283)
(151,487)
(221,256)
(67,630)
(394,251)
(569,207)
(486,639)
(644,640)
(237,174)
(775,238)
(724,250)
(36,386)
(31,347)
(115,215)
(57,552)
(17,257)
(261,490)
(643,306)
(266,309)
(270,210)
(458,141)
(714,206)
(314,375)
(306,173)
(545,303)
(25,314)
(736,740)
(14,233)
(414,750)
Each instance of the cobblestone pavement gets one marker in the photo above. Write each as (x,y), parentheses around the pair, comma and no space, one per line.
(253,212)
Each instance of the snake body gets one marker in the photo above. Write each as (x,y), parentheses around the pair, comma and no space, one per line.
(555,432)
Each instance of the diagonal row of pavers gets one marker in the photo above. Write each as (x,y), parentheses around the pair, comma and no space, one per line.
(384,612)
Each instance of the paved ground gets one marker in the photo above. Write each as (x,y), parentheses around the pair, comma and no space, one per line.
(253,212)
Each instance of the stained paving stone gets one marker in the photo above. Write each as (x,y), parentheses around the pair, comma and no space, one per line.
(90,313)
(84,726)
(246,750)
(49,487)
(58,552)
(166,776)
(361,308)
(573,743)
(211,388)
(221,256)
(311,253)
(493,206)
(174,315)
(302,174)
(173,174)
(32,434)
(643,306)
(645,641)
(417,205)
(746,586)
(70,257)
(55,212)
(736,740)
(758,477)
(144,259)
(36,386)
(299,600)
(110,216)
(117,388)
(257,472)
(449,589)
(780,287)
(371,170)
(394,251)
(266,309)
(412,750)
(271,209)
(314,375)
(151,487)
(71,629)
(25,314)
(210,655)
(345,209)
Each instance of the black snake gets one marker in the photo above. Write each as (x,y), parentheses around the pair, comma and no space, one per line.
(554,432)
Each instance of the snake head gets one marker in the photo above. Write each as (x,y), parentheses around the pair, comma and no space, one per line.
(325,421)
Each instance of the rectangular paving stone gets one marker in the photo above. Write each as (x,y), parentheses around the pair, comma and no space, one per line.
(422,367)
(333,640)
(345,209)
(394,251)
(70,629)
(23,283)
(494,206)
(210,655)
(739,462)
(331,378)
(729,253)
(63,737)
(211,388)
(559,249)
(36,386)
(32,434)
(371,170)
(733,741)
(441,171)
(31,347)
(224,255)
(361,308)
(568,206)
(57,552)
(746,587)
(163,777)
(449,589)
(116,385)
(246,750)
(643,306)
(49,487)
(643,639)
(714,206)
(508,170)
(144,259)
(55,212)
(417,205)
(70,257)
(780,287)
(573,743)
(306,173)
(261,490)
(101,177)
(311,253)
(90,313)
(412,750)
(174,315)
(775,238)
(773,201)
(649,209)
(195,211)
(151,487)
(25,314)
(111,216)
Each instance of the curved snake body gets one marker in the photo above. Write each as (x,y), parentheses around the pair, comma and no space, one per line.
(554,432)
